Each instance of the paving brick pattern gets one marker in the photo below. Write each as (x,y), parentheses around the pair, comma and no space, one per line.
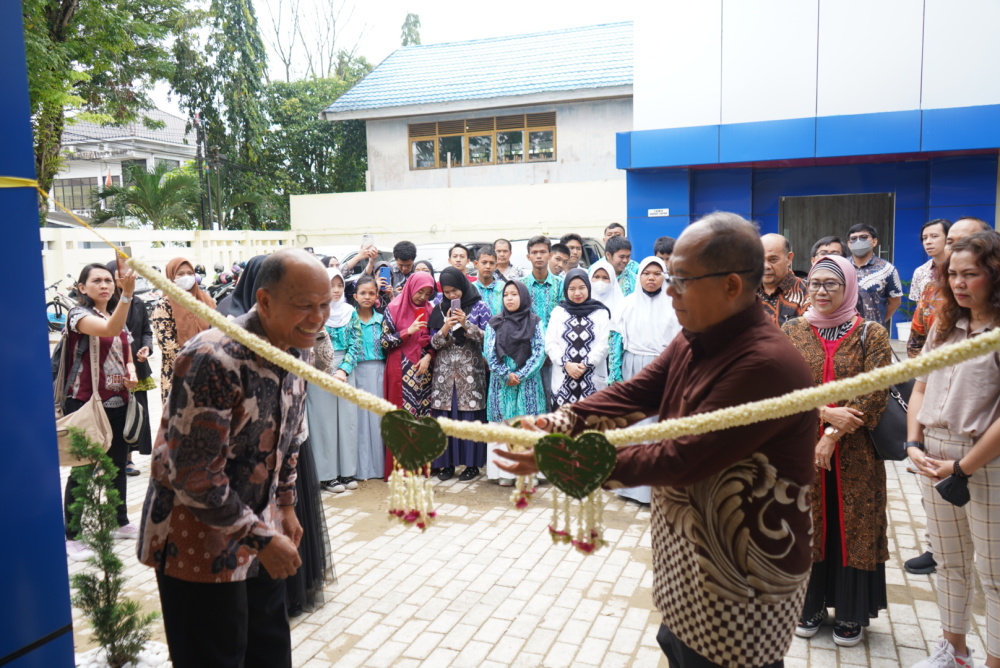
(486,587)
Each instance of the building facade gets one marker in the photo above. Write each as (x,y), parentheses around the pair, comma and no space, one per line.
(811,115)
(515,135)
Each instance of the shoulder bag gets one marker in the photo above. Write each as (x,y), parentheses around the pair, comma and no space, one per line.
(91,417)
(890,433)
(134,418)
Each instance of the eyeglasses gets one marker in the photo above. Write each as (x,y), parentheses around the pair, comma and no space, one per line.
(829,286)
(679,283)
(824,253)
(859,237)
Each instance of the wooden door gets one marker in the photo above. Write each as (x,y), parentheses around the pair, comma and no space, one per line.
(803,220)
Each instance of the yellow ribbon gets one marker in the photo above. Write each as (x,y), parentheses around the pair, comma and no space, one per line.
(20,182)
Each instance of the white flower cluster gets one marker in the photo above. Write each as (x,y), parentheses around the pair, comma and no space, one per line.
(737,416)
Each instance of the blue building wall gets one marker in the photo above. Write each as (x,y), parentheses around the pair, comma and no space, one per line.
(35,610)
(946,187)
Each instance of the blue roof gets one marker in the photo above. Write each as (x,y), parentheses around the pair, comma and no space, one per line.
(577,58)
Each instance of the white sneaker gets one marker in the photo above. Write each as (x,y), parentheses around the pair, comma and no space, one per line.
(946,657)
(333,486)
(353,484)
(129,531)
(506,482)
(77,550)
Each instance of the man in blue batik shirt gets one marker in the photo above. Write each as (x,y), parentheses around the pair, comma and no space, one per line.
(878,281)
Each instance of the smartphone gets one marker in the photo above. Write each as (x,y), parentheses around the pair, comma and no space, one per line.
(456,304)
(122,267)
(385,273)
(367,240)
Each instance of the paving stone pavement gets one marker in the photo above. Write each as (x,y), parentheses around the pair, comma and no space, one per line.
(485,586)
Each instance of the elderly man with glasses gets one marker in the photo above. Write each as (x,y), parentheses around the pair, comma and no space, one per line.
(730,509)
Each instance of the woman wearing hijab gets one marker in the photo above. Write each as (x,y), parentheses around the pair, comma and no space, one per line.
(848,494)
(173,324)
(515,352)
(607,291)
(244,295)
(459,385)
(407,345)
(645,324)
(576,340)
(333,422)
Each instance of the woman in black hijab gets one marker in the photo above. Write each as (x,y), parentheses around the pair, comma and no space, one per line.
(576,340)
(244,295)
(515,351)
(459,378)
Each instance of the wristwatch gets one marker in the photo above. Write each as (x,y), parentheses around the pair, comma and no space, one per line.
(831,431)
(125,300)
(914,444)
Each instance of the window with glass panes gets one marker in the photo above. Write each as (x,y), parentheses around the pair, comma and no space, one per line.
(497,140)
(75,194)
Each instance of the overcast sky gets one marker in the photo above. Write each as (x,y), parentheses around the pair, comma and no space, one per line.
(375,25)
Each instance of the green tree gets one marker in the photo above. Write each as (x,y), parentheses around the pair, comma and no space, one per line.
(98,58)
(411,30)
(306,154)
(221,78)
(163,198)
(119,624)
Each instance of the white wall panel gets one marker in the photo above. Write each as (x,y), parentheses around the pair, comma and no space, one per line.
(961,53)
(678,63)
(768,60)
(869,56)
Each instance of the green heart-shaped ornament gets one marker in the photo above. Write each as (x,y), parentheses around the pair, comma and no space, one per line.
(577,466)
(414,442)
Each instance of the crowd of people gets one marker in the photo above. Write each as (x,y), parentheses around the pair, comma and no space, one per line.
(578,347)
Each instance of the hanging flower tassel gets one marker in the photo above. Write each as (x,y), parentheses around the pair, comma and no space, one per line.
(524,488)
(411,496)
(590,529)
(560,515)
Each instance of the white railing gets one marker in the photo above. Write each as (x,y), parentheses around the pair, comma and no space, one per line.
(68,251)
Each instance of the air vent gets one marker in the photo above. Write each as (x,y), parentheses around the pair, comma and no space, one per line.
(510,122)
(451,127)
(423,129)
(544,120)
(479,125)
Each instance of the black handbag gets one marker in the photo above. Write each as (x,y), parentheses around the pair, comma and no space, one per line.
(890,433)
(954,489)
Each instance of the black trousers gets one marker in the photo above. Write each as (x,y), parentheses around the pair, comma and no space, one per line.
(226,625)
(680,655)
(119,456)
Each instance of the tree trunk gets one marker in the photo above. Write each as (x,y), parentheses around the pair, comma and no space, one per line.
(48,142)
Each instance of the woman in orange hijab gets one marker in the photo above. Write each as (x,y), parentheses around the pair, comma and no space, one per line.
(172,323)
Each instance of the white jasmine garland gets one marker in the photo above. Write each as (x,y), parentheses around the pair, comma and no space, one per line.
(736,416)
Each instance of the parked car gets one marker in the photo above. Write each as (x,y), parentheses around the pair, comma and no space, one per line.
(593,250)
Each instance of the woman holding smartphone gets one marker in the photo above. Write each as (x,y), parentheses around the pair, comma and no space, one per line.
(457,322)
(408,350)
(101,313)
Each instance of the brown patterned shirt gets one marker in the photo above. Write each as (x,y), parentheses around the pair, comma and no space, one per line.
(730,510)
(224,459)
(788,301)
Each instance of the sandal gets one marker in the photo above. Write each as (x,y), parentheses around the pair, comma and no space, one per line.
(130,469)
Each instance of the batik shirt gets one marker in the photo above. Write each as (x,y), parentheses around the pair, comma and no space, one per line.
(788,301)
(629,277)
(513,273)
(365,341)
(492,295)
(340,337)
(224,460)
(922,275)
(545,295)
(878,282)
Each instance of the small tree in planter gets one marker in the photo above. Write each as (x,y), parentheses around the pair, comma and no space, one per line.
(119,624)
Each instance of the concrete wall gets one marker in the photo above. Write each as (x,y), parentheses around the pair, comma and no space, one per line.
(454,214)
(739,62)
(585,149)
(68,251)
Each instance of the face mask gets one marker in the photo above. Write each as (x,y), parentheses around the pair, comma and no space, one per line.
(185,283)
(860,248)
(601,289)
